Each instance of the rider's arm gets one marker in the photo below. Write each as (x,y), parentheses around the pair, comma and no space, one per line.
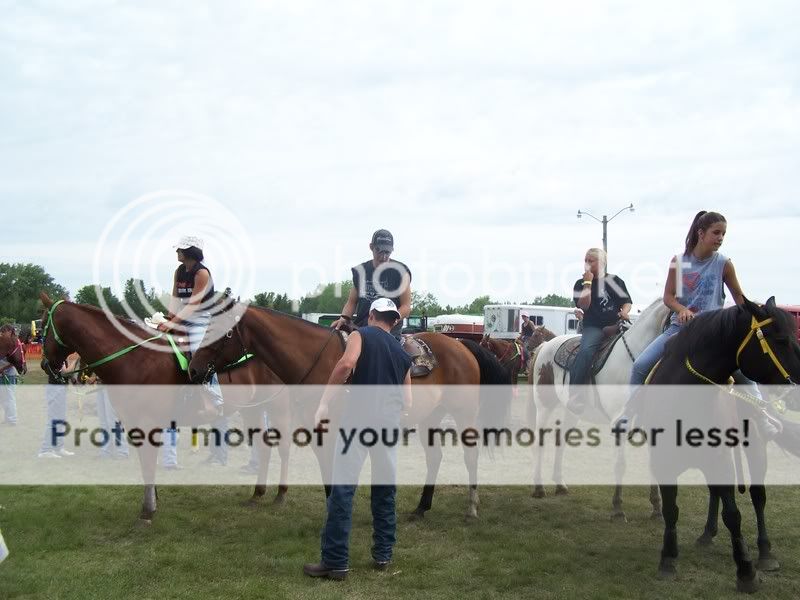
(348,309)
(202,283)
(671,294)
(342,369)
(732,282)
(174,301)
(404,307)
(583,293)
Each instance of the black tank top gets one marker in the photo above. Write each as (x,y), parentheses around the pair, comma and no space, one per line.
(382,360)
(184,282)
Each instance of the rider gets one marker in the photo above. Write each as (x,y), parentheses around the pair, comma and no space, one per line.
(604,300)
(526,331)
(378,277)
(695,285)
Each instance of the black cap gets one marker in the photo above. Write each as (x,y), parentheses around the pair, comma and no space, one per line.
(383,241)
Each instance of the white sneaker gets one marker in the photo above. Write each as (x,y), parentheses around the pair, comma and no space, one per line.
(64,452)
(48,454)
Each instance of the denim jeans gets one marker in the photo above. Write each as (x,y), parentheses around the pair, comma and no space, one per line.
(645,362)
(591,340)
(117,443)
(335,537)
(8,393)
(56,406)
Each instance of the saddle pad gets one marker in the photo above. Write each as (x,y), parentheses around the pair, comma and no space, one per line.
(423,361)
(566,353)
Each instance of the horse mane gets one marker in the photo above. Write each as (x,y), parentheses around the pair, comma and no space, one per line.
(718,325)
(290,316)
(129,323)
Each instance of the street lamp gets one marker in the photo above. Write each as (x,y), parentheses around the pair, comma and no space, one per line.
(605,220)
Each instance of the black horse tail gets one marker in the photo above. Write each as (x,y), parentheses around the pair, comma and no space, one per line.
(495,402)
(789,437)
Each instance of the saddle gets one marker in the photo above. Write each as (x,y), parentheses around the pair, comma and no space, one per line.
(566,353)
(423,361)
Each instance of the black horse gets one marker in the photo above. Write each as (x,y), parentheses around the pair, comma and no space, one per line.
(759,340)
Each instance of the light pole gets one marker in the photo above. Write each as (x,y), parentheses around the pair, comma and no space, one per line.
(605,221)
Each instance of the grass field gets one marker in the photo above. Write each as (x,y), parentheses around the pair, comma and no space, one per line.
(81,542)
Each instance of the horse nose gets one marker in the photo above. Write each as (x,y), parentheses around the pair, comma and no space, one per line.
(193,374)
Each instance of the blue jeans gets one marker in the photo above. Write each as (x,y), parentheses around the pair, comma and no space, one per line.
(56,405)
(645,362)
(335,537)
(7,391)
(117,443)
(591,340)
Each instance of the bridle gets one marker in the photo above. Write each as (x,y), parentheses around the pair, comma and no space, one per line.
(755,329)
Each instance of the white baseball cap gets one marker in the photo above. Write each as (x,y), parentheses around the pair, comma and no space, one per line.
(187,241)
(383,305)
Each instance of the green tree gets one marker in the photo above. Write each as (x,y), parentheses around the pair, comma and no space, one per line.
(88,294)
(326,298)
(280,302)
(425,303)
(552,300)
(476,306)
(20,285)
(134,294)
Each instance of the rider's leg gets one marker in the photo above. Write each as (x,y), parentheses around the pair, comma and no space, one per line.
(591,340)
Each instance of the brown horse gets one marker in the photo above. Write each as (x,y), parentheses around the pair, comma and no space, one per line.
(91,333)
(541,334)
(11,349)
(300,352)
(510,354)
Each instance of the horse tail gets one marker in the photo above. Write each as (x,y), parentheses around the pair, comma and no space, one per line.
(532,413)
(495,402)
(789,437)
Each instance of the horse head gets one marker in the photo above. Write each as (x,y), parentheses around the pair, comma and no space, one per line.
(11,348)
(768,351)
(54,350)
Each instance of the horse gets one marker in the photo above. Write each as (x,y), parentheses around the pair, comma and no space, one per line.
(759,340)
(11,349)
(301,352)
(91,332)
(541,334)
(551,392)
(509,352)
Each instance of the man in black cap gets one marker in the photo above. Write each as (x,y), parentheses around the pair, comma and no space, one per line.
(379,277)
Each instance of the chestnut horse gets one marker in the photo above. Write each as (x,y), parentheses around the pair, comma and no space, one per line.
(90,332)
(11,349)
(510,353)
(301,352)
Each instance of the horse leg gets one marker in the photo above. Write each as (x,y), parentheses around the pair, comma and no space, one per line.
(710,530)
(538,451)
(148,455)
(471,463)
(570,421)
(766,560)
(283,423)
(254,425)
(433,459)
(669,549)
(617,513)
(655,502)
(746,575)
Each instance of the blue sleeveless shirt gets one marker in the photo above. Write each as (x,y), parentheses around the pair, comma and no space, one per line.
(700,285)
(382,361)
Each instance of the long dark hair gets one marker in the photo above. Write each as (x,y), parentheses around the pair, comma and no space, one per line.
(702,220)
(194,253)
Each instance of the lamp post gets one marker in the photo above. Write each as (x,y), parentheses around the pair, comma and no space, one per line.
(605,221)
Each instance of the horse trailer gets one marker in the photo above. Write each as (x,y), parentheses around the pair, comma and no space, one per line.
(503,321)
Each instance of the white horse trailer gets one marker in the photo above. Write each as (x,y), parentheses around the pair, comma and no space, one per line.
(504,321)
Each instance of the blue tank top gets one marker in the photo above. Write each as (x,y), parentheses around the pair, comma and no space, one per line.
(700,284)
(382,360)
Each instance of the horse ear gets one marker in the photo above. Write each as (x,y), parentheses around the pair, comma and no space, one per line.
(770,303)
(753,308)
(46,302)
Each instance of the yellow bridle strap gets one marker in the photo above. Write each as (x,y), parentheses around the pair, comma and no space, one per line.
(778,405)
(755,328)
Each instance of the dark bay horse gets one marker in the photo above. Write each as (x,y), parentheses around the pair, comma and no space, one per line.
(300,352)
(510,353)
(760,340)
(90,332)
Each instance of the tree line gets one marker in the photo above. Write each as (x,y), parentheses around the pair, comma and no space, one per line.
(20,285)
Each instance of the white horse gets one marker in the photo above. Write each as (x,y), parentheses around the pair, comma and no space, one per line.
(551,393)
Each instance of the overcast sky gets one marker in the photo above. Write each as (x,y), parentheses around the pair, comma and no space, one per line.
(474,131)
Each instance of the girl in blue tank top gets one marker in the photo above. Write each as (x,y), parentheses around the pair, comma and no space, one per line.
(695,284)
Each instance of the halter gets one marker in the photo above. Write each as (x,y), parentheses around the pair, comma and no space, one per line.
(755,328)
(51,323)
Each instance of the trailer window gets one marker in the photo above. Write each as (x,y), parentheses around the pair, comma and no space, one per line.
(572,324)
(538,320)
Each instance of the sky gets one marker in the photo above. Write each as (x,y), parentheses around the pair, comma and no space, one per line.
(285,133)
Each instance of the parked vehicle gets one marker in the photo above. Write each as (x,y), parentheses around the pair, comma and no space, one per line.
(503,320)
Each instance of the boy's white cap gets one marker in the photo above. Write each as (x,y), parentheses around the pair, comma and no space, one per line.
(383,305)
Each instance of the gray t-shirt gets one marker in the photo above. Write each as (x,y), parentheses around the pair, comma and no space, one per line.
(699,283)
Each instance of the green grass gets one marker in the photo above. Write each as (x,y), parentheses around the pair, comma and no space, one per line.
(80,542)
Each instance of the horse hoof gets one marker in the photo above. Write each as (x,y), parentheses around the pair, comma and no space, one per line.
(417,515)
(748,586)
(562,490)
(768,563)
(279,500)
(667,570)
(143,523)
(253,502)
(656,515)
(539,492)
(619,517)
(471,517)
(705,540)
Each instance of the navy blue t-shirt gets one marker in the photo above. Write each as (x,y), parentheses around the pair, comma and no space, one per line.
(382,361)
